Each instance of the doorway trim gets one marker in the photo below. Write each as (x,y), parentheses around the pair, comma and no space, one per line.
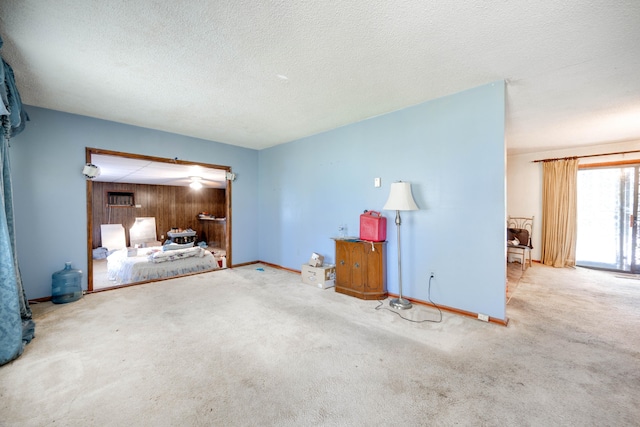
(89,151)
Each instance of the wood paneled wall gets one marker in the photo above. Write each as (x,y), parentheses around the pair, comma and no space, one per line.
(172,207)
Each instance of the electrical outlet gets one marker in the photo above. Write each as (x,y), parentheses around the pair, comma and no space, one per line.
(483,317)
(377,182)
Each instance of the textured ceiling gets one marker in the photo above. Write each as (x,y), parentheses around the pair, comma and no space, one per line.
(261,73)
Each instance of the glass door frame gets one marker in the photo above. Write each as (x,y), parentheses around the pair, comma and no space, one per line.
(632,222)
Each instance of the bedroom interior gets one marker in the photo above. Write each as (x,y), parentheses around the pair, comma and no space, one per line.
(130,190)
(318,116)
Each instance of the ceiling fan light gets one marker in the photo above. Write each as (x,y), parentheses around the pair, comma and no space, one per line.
(195,183)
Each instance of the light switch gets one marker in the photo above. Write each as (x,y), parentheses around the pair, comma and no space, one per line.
(377,182)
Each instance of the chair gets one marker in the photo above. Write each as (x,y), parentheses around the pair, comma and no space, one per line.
(520,228)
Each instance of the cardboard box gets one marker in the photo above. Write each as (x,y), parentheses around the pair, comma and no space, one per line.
(323,277)
(316,260)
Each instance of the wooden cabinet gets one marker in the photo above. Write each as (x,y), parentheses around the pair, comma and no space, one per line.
(361,269)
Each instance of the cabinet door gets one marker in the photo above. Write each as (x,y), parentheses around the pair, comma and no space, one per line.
(358,267)
(343,267)
(375,276)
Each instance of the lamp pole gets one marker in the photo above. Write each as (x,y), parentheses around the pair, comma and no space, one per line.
(399,302)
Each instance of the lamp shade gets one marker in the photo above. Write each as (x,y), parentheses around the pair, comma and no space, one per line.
(400,198)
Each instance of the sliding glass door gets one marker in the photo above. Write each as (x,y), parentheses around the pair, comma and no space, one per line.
(607,218)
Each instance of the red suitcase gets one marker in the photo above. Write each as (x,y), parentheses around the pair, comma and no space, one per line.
(373,227)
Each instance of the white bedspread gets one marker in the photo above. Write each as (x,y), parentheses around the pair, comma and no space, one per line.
(123,269)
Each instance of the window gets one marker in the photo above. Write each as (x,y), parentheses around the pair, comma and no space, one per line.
(120,198)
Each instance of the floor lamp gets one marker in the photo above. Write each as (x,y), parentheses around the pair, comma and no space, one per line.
(400,199)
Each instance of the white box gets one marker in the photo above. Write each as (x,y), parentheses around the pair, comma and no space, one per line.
(323,277)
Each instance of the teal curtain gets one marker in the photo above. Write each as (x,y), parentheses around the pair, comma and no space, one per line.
(16,324)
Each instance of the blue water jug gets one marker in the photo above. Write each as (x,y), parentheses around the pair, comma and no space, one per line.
(66,285)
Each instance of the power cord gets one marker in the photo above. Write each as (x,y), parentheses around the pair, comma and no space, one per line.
(380,307)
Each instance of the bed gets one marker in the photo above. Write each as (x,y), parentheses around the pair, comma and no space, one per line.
(139,265)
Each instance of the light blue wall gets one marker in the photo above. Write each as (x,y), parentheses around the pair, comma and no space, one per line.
(50,190)
(452,151)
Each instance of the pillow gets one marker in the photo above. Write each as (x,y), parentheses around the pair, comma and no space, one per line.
(519,233)
(174,246)
(159,256)
(100,253)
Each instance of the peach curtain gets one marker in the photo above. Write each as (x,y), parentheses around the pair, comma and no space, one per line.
(559,211)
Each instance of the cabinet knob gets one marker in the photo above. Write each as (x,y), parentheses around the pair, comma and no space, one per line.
(356,265)
(341,262)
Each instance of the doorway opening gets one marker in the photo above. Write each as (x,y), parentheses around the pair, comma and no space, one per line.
(608,213)
(132,186)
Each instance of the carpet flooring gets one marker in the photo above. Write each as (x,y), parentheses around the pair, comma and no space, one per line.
(252,346)
(514,274)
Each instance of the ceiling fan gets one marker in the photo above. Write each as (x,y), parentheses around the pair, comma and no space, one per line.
(196,182)
(216,180)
